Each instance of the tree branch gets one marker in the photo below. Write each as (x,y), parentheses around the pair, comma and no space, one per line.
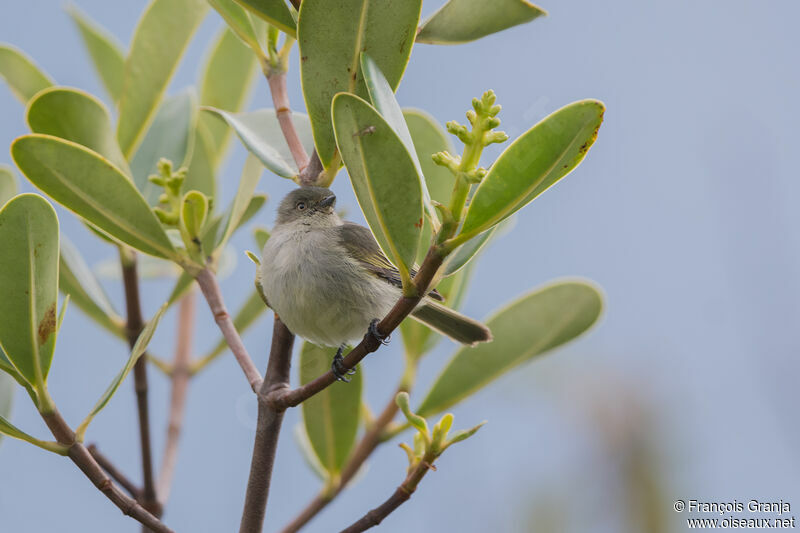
(362,451)
(267,429)
(134,326)
(398,498)
(283,398)
(84,460)
(280,99)
(114,472)
(210,288)
(180,386)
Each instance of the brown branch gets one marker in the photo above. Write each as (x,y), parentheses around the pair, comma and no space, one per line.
(398,498)
(362,451)
(133,328)
(267,429)
(280,99)
(180,386)
(284,398)
(89,466)
(210,288)
(114,472)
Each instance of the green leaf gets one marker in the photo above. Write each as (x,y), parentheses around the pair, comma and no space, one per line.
(183,283)
(7,387)
(330,417)
(308,453)
(261,134)
(87,184)
(201,175)
(461,256)
(107,54)
(158,43)
(29,285)
(429,138)
(193,215)
(261,236)
(383,176)
(251,173)
(76,116)
(331,37)
(534,162)
(275,12)
(138,350)
(171,137)
(226,82)
(382,97)
(24,78)
(461,21)
(78,281)
(533,324)
(8,184)
(239,21)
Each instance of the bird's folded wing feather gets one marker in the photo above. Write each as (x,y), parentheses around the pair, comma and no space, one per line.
(362,246)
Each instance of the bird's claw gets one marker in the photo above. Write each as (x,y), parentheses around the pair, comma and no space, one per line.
(340,371)
(377,335)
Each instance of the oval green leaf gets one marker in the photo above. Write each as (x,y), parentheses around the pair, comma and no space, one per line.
(274,12)
(29,285)
(84,182)
(8,184)
(78,281)
(136,352)
(159,41)
(7,387)
(170,136)
(24,78)
(251,173)
(106,53)
(461,21)
(238,21)
(530,326)
(226,83)
(76,116)
(331,417)
(382,97)
(331,37)
(202,175)
(260,132)
(383,175)
(534,162)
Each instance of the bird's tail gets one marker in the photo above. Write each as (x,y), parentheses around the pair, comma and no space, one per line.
(451,323)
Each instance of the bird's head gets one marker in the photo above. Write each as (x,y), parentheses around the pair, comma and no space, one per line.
(313,205)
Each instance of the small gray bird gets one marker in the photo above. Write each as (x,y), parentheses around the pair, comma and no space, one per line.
(329,282)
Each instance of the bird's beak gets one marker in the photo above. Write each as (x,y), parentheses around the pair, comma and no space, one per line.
(328,201)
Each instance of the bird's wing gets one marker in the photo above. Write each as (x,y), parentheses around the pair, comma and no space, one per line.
(361,245)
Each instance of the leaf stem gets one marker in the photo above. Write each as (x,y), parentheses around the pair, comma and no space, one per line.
(280,100)
(134,326)
(179,376)
(210,288)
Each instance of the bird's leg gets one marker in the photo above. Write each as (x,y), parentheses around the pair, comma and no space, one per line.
(337,367)
(373,332)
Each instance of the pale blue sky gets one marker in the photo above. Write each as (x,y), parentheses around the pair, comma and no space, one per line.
(684,211)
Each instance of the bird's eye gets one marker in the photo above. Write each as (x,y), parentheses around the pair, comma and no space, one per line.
(301,206)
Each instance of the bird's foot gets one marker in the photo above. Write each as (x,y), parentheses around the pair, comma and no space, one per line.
(337,367)
(373,332)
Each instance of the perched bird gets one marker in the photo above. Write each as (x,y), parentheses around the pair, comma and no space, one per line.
(329,281)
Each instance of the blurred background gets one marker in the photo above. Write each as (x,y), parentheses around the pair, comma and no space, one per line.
(684,212)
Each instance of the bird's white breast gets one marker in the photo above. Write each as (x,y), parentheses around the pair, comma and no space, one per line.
(318,291)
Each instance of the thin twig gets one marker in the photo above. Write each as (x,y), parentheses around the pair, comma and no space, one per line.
(208,284)
(81,457)
(114,472)
(283,398)
(267,429)
(362,451)
(180,386)
(398,497)
(280,99)
(134,326)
